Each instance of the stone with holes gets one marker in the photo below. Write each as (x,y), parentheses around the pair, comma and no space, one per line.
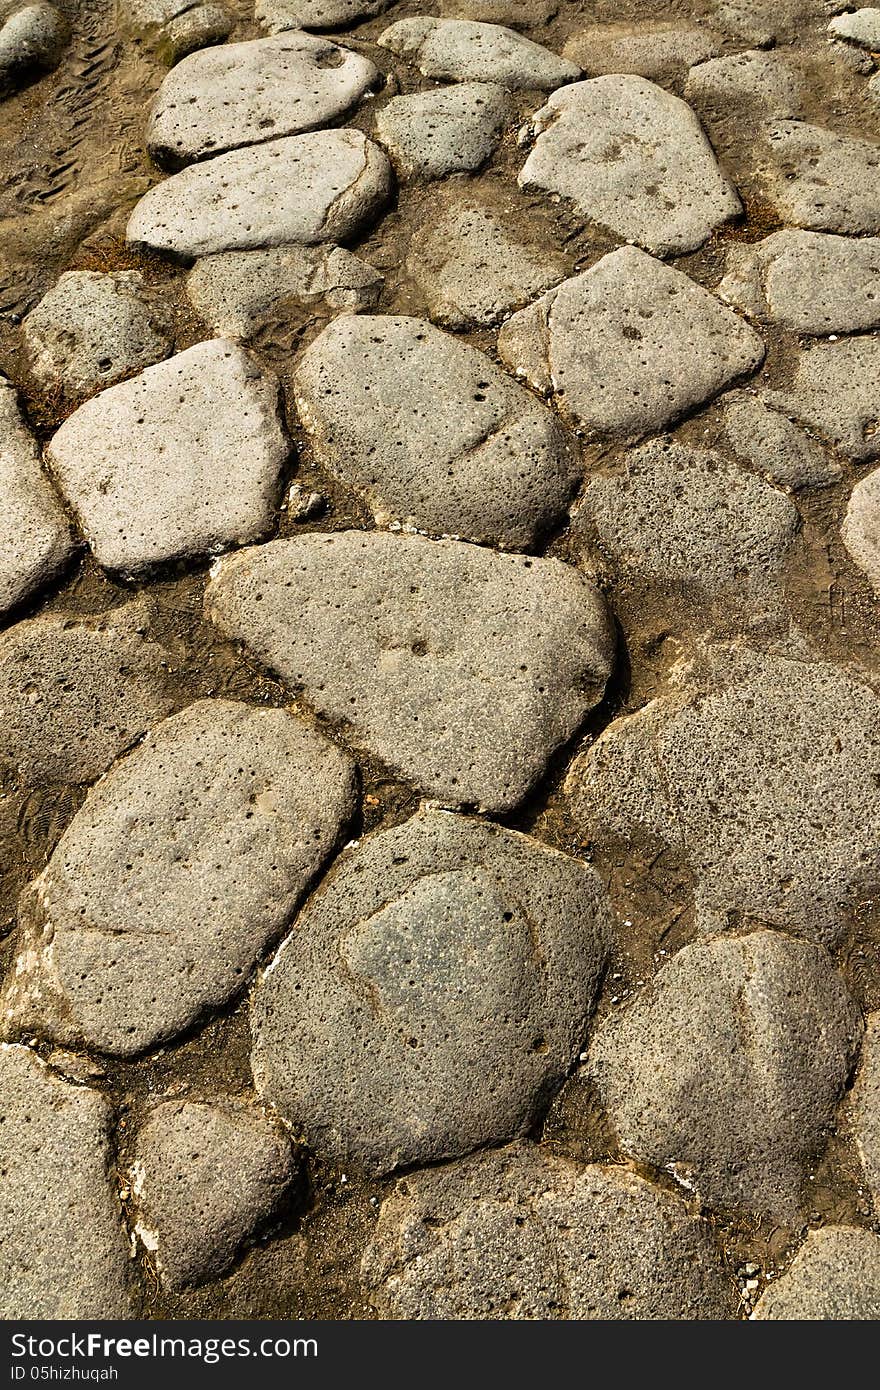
(232,810)
(866,1106)
(434,992)
(754,80)
(280,15)
(463,50)
(657,49)
(809,282)
(174,28)
(834,1276)
(823,181)
(448,130)
(861,27)
(834,393)
(774,445)
(861,527)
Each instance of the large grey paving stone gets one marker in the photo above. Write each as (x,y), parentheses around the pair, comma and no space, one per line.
(661,50)
(433,993)
(280,15)
(774,445)
(63,1251)
(809,282)
(432,433)
(35,535)
(32,41)
(755,80)
(861,27)
(183,460)
(726,1071)
(763,770)
(232,810)
(521,1234)
(834,1276)
(865,1101)
(629,346)
(447,130)
(326,185)
(823,181)
(460,668)
(464,50)
(75,693)
(634,159)
(92,329)
(245,93)
(204,1178)
(834,393)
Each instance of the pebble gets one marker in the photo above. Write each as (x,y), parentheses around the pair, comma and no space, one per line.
(779,449)
(460,668)
(447,130)
(865,1101)
(634,159)
(809,282)
(726,1071)
(520,1234)
(834,1276)
(834,392)
(205,1178)
(463,50)
(654,49)
(861,27)
(861,527)
(63,1253)
(183,460)
(434,992)
(432,433)
(232,810)
(754,79)
(629,346)
(280,15)
(823,181)
(31,42)
(324,186)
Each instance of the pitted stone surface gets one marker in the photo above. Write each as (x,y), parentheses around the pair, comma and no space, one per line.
(435,989)
(773,445)
(823,181)
(861,527)
(246,93)
(753,79)
(763,770)
(461,668)
(325,185)
(204,1178)
(183,460)
(809,282)
(629,346)
(861,27)
(462,50)
(447,130)
(175,28)
(519,14)
(63,1251)
(834,393)
(521,1234)
(866,1106)
(834,1275)
(280,15)
(655,49)
(31,42)
(432,433)
(232,810)
(634,159)
(727,1071)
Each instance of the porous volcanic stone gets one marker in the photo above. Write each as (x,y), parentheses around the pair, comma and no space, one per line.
(823,181)
(519,14)
(774,445)
(435,990)
(809,282)
(861,527)
(834,1276)
(232,810)
(861,27)
(31,42)
(432,433)
(834,392)
(183,460)
(280,15)
(866,1105)
(521,1234)
(443,131)
(753,79)
(462,50)
(174,28)
(657,49)
(726,1072)
(459,667)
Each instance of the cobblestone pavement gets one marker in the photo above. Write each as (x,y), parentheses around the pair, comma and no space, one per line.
(439,675)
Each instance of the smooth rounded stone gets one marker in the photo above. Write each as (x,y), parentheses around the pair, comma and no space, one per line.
(472,270)
(183,460)
(63,1252)
(91,330)
(518,1233)
(629,346)
(861,27)
(280,15)
(246,93)
(463,50)
(461,668)
(633,159)
(31,41)
(865,1102)
(35,536)
(726,1071)
(834,392)
(432,433)
(823,181)
(434,992)
(205,1178)
(75,693)
(763,771)
(861,527)
(448,130)
(834,1276)
(686,524)
(236,291)
(810,282)
(754,79)
(195,28)
(322,186)
(232,810)
(655,49)
(785,454)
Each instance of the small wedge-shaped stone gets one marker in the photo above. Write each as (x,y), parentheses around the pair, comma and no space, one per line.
(232,810)
(629,346)
(753,81)
(63,1251)
(726,1072)
(245,93)
(461,50)
(460,668)
(834,393)
(435,990)
(834,1276)
(322,186)
(35,537)
(521,1234)
(634,159)
(658,49)
(861,527)
(823,181)
(809,282)
(772,444)
(183,460)
(432,433)
(444,131)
